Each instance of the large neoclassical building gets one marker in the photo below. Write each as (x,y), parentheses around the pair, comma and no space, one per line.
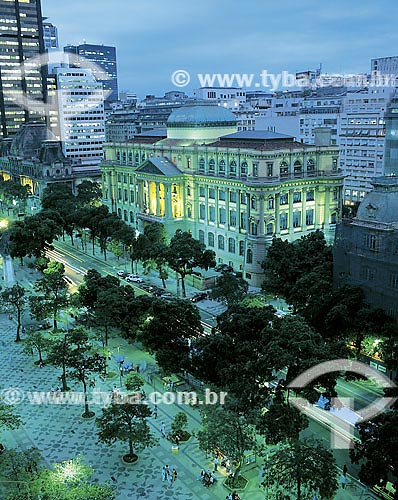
(233,190)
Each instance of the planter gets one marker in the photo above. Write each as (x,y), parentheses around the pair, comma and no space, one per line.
(88,416)
(129,460)
(240,484)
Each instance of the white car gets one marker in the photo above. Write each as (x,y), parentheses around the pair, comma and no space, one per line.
(132,278)
(122,274)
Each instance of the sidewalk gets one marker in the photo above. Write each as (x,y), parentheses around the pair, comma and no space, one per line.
(60,433)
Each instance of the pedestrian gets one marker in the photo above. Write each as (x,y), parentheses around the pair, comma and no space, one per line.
(168,474)
(345,470)
(216,461)
(261,474)
(164,473)
(177,439)
(174,475)
(155,412)
(343,481)
(163,430)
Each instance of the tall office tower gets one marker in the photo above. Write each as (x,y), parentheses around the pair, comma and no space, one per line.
(21,38)
(385,65)
(362,140)
(50,35)
(391,146)
(104,57)
(81,115)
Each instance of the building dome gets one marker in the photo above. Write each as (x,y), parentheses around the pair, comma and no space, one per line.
(381,204)
(200,122)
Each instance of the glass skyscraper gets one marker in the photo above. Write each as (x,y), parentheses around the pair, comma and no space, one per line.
(21,38)
(105,57)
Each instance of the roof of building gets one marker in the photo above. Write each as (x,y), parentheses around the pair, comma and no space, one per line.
(157,132)
(270,145)
(29,138)
(257,135)
(160,166)
(381,204)
(201,115)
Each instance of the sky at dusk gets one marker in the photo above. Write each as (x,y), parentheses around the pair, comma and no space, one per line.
(154,37)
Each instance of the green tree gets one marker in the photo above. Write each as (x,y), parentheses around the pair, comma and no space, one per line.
(227,431)
(15,297)
(36,341)
(126,422)
(9,419)
(185,253)
(167,331)
(52,293)
(58,354)
(178,425)
(377,451)
(84,364)
(134,382)
(151,249)
(89,193)
(229,288)
(301,468)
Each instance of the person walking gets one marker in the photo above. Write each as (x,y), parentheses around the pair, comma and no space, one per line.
(169,476)
(164,473)
(345,470)
(163,430)
(155,412)
(174,475)
(216,461)
(343,481)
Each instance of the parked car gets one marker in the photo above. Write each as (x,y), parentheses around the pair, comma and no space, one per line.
(223,268)
(157,292)
(131,278)
(167,295)
(198,297)
(122,274)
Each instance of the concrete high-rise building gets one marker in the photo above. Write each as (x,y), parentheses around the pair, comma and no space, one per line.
(50,35)
(21,38)
(81,115)
(391,143)
(104,57)
(385,65)
(362,140)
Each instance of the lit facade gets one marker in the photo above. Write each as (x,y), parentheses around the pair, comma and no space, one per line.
(21,38)
(50,35)
(233,191)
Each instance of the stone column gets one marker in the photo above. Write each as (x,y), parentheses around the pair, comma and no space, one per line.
(290,219)
(327,208)
(261,229)
(157,185)
(304,209)
(277,215)
(168,205)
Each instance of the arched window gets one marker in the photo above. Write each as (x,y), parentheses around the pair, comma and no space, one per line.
(333,218)
(270,202)
(231,245)
(125,215)
(221,243)
(202,165)
(143,157)
(188,190)
(310,166)
(212,166)
(137,157)
(254,203)
(283,168)
(119,212)
(232,167)
(210,239)
(253,228)
(221,167)
(124,156)
(131,217)
(201,236)
(117,155)
(270,229)
(249,257)
(130,157)
(297,167)
(243,169)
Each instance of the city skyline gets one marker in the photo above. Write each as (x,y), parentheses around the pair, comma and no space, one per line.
(222,38)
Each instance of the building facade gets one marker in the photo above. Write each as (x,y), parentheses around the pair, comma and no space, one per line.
(21,38)
(50,36)
(233,190)
(391,142)
(104,57)
(80,103)
(366,248)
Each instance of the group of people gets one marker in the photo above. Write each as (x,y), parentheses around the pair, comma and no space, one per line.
(207,478)
(232,496)
(168,475)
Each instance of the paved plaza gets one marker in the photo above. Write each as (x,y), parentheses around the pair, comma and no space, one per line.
(60,433)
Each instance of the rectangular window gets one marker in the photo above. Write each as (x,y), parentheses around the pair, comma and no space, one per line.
(241,248)
(243,198)
(270,168)
(371,242)
(310,195)
(255,169)
(212,193)
(232,218)
(297,197)
(221,216)
(283,221)
(394,281)
(309,217)
(296,219)
(243,220)
(231,245)
(221,195)
(232,196)
(212,214)
(284,199)
(270,203)
(202,192)
(202,212)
